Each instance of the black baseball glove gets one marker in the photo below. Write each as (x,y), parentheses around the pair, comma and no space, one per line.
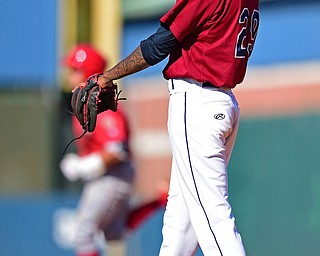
(91,99)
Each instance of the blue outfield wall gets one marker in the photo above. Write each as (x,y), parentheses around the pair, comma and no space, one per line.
(26,224)
(28,43)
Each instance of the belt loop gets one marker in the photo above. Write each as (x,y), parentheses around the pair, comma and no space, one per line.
(172,85)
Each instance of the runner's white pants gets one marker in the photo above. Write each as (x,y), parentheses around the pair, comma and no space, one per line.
(203,125)
(103,206)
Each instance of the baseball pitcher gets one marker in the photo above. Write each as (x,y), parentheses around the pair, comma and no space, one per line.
(209,43)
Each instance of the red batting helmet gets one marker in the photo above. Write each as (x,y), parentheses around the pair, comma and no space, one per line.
(86,58)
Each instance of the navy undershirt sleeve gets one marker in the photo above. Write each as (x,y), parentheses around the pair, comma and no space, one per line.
(158,46)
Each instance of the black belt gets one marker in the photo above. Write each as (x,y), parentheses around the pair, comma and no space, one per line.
(204,85)
(209,85)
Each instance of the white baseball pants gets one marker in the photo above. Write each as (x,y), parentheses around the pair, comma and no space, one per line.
(202,124)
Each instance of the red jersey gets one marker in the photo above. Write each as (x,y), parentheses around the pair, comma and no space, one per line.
(111,127)
(215,38)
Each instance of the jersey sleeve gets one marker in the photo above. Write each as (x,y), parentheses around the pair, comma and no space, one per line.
(158,46)
(186,15)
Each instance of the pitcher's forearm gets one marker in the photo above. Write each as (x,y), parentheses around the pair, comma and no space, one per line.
(130,65)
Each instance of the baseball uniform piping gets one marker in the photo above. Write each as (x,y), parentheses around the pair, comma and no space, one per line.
(194,181)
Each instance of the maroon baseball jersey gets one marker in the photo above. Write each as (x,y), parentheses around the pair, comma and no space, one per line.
(215,38)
